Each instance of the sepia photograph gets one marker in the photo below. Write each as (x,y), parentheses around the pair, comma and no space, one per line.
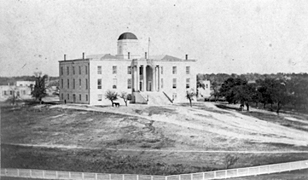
(154,89)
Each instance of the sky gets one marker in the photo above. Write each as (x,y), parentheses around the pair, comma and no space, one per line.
(224,36)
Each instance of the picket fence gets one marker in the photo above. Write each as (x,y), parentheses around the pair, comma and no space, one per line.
(220,174)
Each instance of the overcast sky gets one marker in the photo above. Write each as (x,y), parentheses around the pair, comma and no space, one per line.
(225,36)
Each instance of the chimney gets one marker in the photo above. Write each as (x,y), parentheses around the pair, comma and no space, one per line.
(64,57)
(186,57)
(83,55)
(128,55)
(145,55)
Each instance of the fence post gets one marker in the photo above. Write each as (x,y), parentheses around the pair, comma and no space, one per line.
(236,172)
(69,175)
(57,176)
(18,172)
(226,175)
(191,176)
(82,175)
(179,177)
(203,176)
(214,174)
(166,178)
(43,173)
(152,177)
(5,171)
(30,172)
(95,176)
(259,170)
(109,176)
(123,177)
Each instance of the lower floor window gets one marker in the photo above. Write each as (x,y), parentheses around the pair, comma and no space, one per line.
(79,97)
(86,97)
(100,96)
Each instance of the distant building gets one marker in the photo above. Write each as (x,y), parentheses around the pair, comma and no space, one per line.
(150,79)
(205,90)
(20,89)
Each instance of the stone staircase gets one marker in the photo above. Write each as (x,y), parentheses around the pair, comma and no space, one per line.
(156,98)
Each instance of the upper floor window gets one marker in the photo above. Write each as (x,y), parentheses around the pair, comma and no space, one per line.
(68,70)
(79,83)
(174,83)
(79,97)
(129,70)
(73,70)
(86,68)
(162,70)
(61,70)
(174,70)
(79,69)
(73,83)
(62,83)
(86,83)
(187,69)
(114,69)
(68,83)
(99,69)
(99,84)
(206,86)
(162,83)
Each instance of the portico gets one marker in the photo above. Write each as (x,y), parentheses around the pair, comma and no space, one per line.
(145,76)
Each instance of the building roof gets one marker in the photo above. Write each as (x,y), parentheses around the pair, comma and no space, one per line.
(127,35)
(101,56)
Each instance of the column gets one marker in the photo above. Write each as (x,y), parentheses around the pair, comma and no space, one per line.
(138,78)
(158,81)
(144,77)
(153,78)
(133,77)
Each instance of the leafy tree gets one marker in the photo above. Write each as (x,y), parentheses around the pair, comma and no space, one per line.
(228,91)
(39,90)
(124,96)
(190,96)
(112,96)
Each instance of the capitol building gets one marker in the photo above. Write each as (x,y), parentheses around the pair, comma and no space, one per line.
(157,80)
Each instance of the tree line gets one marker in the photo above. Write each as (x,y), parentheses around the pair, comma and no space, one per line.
(277,90)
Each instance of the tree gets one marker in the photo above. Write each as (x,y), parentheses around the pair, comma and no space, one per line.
(190,96)
(39,90)
(228,91)
(112,96)
(124,96)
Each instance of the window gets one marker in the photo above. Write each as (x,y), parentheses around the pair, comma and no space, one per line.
(99,69)
(68,70)
(99,84)
(62,96)
(162,83)
(162,70)
(68,97)
(174,70)
(11,92)
(129,70)
(114,86)
(86,97)
(187,69)
(73,70)
(79,97)
(79,83)
(206,86)
(174,83)
(86,83)
(73,83)
(61,70)
(79,69)
(23,92)
(68,84)
(62,83)
(4,93)
(129,83)
(99,97)
(114,69)
(86,68)
(187,83)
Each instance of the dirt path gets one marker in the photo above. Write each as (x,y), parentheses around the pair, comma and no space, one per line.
(156,150)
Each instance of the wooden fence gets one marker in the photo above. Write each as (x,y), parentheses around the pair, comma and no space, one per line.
(220,174)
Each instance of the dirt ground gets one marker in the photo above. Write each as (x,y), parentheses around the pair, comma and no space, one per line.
(161,139)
